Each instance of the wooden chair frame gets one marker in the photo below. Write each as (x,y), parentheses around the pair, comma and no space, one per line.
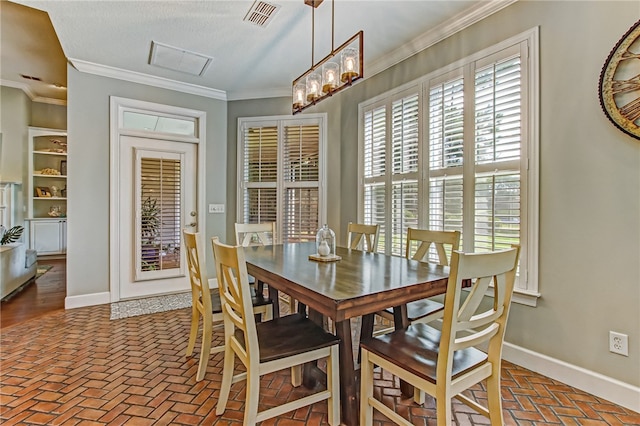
(362,237)
(242,340)
(202,305)
(464,327)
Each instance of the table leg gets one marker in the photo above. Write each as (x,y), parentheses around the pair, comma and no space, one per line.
(348,388)
(273,295)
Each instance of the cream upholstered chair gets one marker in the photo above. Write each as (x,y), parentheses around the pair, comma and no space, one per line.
(418,243)
(268,346)
(260,234)
(206,303)
(362,237)
(445,363)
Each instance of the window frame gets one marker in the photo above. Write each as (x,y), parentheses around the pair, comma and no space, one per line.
(527,290)
(282,121)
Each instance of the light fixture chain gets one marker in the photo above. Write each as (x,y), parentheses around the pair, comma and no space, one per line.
(313,33)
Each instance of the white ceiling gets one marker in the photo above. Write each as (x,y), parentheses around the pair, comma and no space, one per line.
(114,38)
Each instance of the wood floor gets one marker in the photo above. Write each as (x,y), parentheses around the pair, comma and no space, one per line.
(37,298)
(78,367)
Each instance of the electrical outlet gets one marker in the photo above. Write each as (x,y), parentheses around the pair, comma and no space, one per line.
(618,343)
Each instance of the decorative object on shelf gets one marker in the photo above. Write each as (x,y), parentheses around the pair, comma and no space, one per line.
(326,245)
(54,191)
(10,235)
(619,87)
(55,211)
(43,192)
(49,172)
(337,71)
(61,143)
(63,167)
(64,192)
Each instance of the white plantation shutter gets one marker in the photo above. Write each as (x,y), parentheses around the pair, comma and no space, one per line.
(405,135)
(301,158)
(469,170)
(498,140)
(260,174)
(280,172)
(446,142)
(375,148)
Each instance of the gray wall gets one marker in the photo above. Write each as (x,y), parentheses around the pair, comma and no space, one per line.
(589,178)
(88,196)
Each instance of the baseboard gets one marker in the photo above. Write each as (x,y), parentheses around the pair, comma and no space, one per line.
(72,302)
(613,390)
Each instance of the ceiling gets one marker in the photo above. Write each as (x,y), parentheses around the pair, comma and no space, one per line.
(113,38)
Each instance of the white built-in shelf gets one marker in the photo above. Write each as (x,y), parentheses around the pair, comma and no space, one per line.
(50,153)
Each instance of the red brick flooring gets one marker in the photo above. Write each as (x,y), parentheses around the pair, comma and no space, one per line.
(77,367)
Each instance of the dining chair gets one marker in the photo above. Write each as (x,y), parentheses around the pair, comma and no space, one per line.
(260,234)
(205,303)
(362,237)
(268,346)
(445,363)
(418,243)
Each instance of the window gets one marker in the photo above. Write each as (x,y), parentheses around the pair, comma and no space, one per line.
(281,174)
(456,150)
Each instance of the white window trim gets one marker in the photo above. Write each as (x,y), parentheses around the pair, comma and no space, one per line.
(529,294)
(280,120)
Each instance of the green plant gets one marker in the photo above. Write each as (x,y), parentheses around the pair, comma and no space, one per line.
(11,235)
(150,221)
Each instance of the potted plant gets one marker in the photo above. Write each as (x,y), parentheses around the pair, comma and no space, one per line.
(10,235)
(149,232)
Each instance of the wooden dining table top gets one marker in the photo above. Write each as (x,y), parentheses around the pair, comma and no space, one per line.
(360,283)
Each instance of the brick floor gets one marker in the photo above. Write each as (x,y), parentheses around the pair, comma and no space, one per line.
(77,367)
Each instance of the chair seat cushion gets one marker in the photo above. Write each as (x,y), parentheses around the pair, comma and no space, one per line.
(416,350)
(257,300)
(289,335)
(419,309)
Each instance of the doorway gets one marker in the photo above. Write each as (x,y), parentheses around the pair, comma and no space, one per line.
(157,182)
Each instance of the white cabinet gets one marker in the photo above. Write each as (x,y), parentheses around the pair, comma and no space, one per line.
(48,236)
(47,191)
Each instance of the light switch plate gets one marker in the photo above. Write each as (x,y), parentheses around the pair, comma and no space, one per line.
(216,208)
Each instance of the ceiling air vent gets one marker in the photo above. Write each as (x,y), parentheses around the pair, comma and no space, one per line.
(261,13)
(176,59)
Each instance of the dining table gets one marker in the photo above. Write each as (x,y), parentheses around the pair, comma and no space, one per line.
(358,285)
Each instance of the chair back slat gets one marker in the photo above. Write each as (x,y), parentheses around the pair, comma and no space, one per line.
(255,234)
(422,239)
(362,237)
(200,291)
(235,295)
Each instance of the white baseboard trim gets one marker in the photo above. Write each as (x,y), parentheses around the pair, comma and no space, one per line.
(602,386)
(72,302)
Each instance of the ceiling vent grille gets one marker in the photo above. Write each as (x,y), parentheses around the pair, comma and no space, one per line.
(261,13)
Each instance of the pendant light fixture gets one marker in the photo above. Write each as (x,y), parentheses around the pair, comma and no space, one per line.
(337,71)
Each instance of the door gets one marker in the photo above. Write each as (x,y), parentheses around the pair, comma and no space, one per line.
(157,187)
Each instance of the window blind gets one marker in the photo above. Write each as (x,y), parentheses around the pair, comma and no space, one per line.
(281,175)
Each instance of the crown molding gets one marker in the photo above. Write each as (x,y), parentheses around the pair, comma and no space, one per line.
(149,80)
(452,26)
(27,90)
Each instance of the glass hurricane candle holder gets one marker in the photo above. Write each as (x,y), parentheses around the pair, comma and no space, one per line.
(326,242)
